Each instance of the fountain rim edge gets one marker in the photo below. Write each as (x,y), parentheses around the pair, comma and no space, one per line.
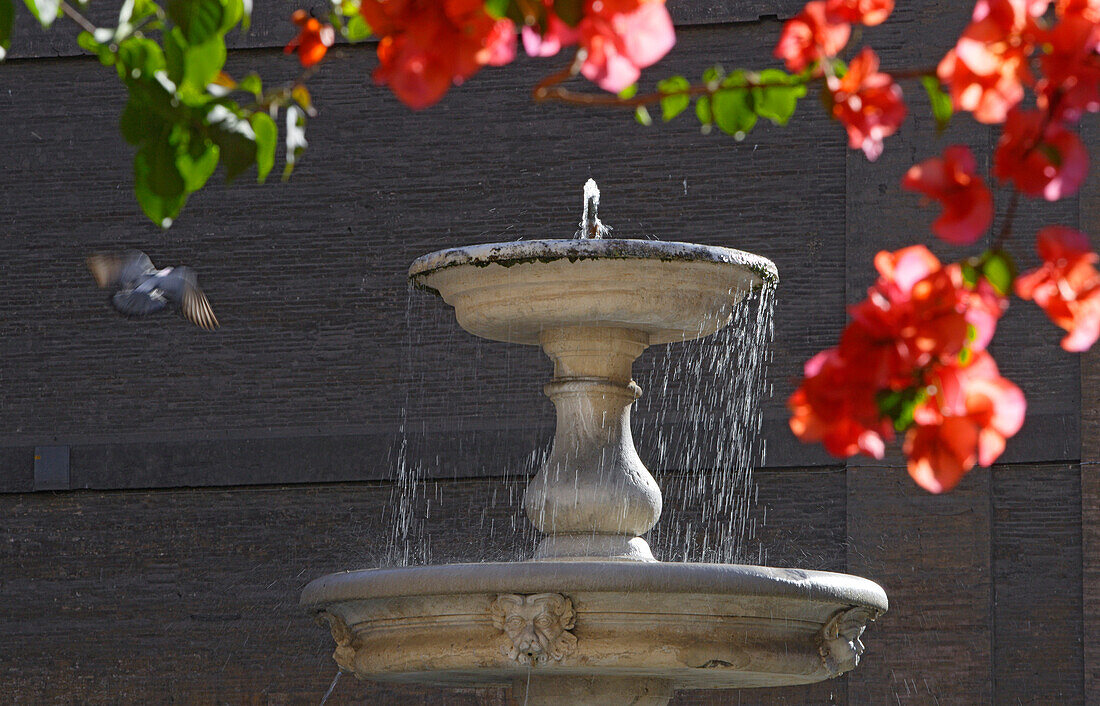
(517,252)
(593,577)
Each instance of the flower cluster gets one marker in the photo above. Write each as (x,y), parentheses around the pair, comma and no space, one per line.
(1066,286)
(867,102)
(425,46)
(912,360)
(619,38)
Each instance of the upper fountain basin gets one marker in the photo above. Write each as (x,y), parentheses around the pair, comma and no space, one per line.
(666,290)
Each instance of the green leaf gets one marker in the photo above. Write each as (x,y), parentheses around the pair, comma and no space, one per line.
(235,138)
(676,98)
(139,57)
(571,12)
(198,20)
(193,66)
(252,84)
(703,112)
(970,274)
(159,187)
(941,102)
(232,12)
(732,106)
(900,405)
(267,134)
(357,29)
(714,76)
(629,92)
(497,8)
(295,138)
(197,160)
(45,11)
(778,100)
(7,16)
(1000,270)
(641,114)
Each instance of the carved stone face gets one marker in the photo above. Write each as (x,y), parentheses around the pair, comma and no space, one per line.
(536,627)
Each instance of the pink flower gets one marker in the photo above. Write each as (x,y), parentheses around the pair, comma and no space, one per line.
(1066,286)
(952,180)
(964,423)
(621,44)
(868,103)
(987,69)
(620,38)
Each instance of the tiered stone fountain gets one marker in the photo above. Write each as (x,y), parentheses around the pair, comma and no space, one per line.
(593,618)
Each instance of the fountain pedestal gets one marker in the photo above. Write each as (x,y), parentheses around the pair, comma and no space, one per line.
(594,619)
(593,497)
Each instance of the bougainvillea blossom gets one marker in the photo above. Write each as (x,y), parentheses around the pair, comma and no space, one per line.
(1040,156)
(810,36)
(864,12)
(912,359)
(868,103)
(619,43)
(312,41)
(953,181)
(619,39)
(964,421)
(428,45)
(1066,286)
(987,69)
(1070,85)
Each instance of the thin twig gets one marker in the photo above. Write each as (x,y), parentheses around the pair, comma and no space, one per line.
(1006,226)
(549,89)
(78,18)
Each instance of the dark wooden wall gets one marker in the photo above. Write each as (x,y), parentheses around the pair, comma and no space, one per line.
(212,476)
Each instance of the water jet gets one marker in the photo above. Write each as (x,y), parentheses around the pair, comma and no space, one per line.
(592,617)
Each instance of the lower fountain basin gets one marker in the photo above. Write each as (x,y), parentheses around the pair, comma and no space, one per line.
(602,632)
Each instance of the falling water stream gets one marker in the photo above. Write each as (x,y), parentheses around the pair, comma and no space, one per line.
(697,428)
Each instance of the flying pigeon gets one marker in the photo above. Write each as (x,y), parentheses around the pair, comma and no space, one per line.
(142,289)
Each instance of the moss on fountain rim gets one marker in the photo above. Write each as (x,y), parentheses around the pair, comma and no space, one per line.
(526,251)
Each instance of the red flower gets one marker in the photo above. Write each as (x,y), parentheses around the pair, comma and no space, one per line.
(869,104)
(951,180)
(864,12)
(964,423)
(987,69)
(1040,156)
(1066,286)
(811,35)
(312,41)
(1071,69)
(428,45)
(836,405)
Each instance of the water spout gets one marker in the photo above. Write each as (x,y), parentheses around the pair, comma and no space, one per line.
(591,227)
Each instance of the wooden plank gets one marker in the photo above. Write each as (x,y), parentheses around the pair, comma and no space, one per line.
(1036,582)
(932,556)
(308,278)
(1089,222)
(190,596)
(271,27)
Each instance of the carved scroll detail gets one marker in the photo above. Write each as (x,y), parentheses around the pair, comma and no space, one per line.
(347,642)
(839,643)
(536,627)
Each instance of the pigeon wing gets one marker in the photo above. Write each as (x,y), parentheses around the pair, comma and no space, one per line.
(115,270)
(193,303)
